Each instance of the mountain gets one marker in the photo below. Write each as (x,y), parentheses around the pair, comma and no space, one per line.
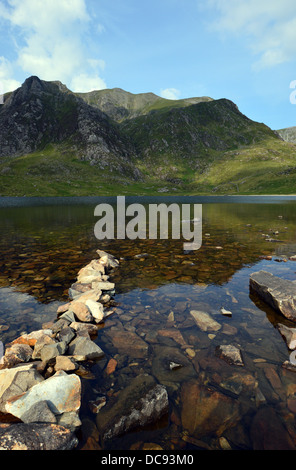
(56,142)
(121,105)
(41,113)
(288,134)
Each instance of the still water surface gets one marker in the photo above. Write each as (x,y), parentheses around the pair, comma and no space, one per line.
(44,243)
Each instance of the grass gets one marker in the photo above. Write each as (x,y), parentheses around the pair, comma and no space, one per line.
(265,168)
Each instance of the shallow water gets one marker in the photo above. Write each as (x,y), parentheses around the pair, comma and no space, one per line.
(44,244)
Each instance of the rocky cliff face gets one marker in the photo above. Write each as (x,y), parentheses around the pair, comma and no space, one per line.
(42,112)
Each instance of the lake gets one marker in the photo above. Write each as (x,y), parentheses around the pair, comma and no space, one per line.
(45,242)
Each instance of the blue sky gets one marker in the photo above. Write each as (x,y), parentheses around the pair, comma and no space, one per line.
(243,50)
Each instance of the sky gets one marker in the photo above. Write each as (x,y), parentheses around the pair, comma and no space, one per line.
(242,50)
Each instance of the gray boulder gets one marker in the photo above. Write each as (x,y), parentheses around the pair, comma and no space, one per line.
(279,293)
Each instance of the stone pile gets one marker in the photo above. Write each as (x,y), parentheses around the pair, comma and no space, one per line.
(40,387)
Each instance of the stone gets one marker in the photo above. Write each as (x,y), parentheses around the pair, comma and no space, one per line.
(96,309)
(91,329)
(93,294)
(37,436)
(204,321)
(127,342)
(51,351)
(41,342)
(107,260)
(16,354)
(289,334)
(230,354)
(66,335)
(14,382)
(279,293)
(39,413)
(166,372)
(111,366)
(106,286)
(32,338)
(65,363)
(226,312)
(62,392)
(63,308)
(143,402)
(268,431)
(69,420)
(84,349)
(206,411)
(173,333)
(81,312)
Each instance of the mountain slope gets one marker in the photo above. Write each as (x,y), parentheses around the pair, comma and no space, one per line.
(121,105)
(55,142)
(288,134)
(41,113)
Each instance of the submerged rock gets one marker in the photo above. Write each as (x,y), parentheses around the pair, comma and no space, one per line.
(230,354)
(279,293)
(204,321)
(143,402)
(206,411)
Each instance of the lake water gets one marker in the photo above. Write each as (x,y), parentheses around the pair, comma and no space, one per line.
(45,242)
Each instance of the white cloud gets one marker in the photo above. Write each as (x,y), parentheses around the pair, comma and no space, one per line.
(6,72)
(268,26)
(170,94)
(83,83)
(52,39)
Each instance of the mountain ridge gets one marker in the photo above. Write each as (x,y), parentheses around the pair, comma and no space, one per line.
(88,142)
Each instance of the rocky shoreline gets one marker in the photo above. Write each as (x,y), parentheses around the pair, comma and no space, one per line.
(40,387)
(40,384)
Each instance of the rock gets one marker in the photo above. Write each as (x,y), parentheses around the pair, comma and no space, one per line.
(289,334)
(167,375)
(280,294)
(141,403)
(32,338)
(77,289)
(204,321)
(111,366)
(61,323)
(39,413)
(268,431)
(127,342)
(225,312)
(65,363)
(106,286)
(51,351)
(41,342)
(206,411)
(96,309)
(230,354)
(107,260)
(16,381)
(63,308)
(81,312)
(62,392)
(66,335)
(37,436)
(16,354)
(173,333)
(70,420)
(84,349)
(91,329)
(93,294)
